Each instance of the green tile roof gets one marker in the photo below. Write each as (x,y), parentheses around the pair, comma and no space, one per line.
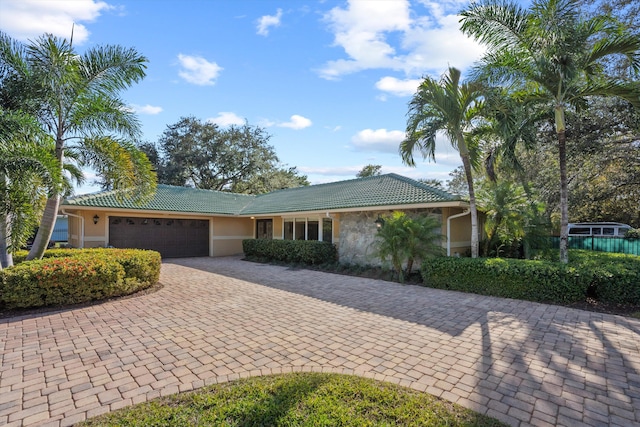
(172,199)
(382,190)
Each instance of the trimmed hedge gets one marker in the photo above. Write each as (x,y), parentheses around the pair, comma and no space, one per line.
(509,278)
(615,276)
(294,251)
(71,276)
(610,278)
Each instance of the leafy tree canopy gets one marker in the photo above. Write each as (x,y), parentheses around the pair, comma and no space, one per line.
(369,170)
(200,154)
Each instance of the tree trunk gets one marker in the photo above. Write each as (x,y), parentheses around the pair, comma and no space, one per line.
(47,223)
(564,199)
(564,192)
(6,259)
(472,202)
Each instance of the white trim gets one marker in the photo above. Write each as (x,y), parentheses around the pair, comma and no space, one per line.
(319,212)
(232,237)
(323,212)
(95,239)
(145,212)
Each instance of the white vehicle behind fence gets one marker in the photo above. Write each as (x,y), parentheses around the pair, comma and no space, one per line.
(598,229)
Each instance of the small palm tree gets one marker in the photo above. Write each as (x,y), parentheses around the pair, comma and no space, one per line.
(76,100)
(551,55)
(451,107)
(505,206)
(404,240)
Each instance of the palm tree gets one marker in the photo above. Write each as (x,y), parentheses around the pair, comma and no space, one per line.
(404,240)
(549,54)
(451,107)
(76,99)
(28,171)
(505,205)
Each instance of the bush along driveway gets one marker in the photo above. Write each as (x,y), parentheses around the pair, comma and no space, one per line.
(219,319)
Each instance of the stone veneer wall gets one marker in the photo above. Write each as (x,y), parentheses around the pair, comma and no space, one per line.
(358,236)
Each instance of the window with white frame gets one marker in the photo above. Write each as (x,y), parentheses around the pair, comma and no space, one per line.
(308,228)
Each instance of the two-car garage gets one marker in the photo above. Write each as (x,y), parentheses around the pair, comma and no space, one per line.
(171,237)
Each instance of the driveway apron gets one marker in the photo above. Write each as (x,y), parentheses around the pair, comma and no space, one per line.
(220,319)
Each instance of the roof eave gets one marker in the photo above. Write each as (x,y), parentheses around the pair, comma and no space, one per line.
(143,212)
(431,205)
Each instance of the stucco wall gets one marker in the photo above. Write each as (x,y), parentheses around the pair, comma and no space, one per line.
(228,234)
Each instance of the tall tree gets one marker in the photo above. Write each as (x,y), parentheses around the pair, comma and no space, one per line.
(603,164)
(369,170)
(197,153)
(448,106)
(551,54)
(76,99)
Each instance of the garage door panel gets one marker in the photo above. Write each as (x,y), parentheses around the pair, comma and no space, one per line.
(171,237)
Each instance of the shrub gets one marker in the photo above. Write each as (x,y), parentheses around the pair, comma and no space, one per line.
(509,278)
(610,278)
(60,281)
(293,251)
(403,239)
(615,276)
(75,276)
(632,234)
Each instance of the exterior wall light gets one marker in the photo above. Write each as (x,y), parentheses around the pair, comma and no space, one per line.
(96,218)
(379,222)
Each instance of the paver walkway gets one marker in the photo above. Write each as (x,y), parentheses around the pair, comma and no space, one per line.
(220,319)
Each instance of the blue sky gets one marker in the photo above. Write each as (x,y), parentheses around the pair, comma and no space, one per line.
(329,80)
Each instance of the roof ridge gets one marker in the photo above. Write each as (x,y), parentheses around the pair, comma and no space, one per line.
(425,186)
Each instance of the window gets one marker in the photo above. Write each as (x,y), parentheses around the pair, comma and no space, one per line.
(580,231)
(313,230)
(300,233)
(288,230)
(327,230)
(608,231)
(308,229)
(264,229)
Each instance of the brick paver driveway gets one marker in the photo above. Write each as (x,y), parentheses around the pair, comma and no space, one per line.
(220,319)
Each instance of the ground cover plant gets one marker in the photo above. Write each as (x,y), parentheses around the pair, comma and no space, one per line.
(72,276)
(297,399)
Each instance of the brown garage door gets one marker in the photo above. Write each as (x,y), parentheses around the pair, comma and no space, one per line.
(173,238)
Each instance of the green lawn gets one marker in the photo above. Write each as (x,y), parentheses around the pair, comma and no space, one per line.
(299,399)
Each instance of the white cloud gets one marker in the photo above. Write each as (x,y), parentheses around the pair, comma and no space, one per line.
(416,38)
(296,122)
(146,109)
(269,21)
(28,19)
(226,118)
(398,87)
(360,30)
(197,70)
(386,141)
